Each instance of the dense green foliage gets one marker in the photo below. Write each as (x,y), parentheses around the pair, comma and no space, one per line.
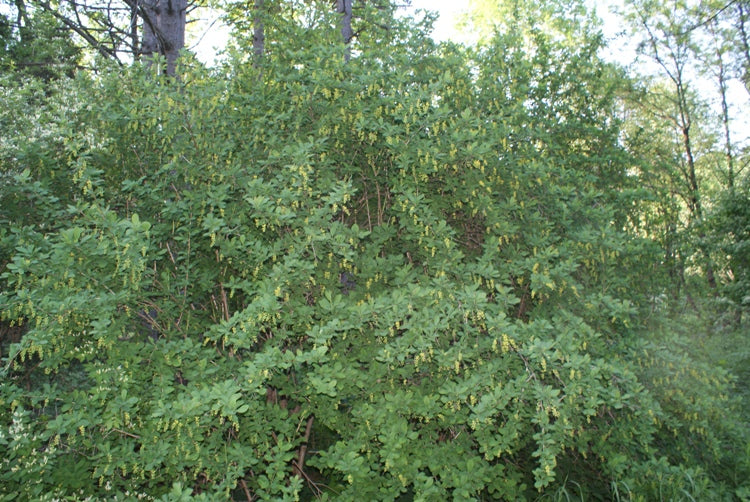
(731,225)
(34,43)
(416,276)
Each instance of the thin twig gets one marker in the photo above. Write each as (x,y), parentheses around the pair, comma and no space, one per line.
(300,464)
(125,433)
(249,496)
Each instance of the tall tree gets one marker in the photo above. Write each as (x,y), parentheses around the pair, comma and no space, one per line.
(715,60)
(124,29)
(563,21)
(259,36)
(34,42)
(163,30)
(743,26)
(344,7)
(669,42)
(260,27)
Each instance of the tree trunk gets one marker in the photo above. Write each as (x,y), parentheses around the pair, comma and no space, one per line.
(259,37)
(694,197)
(745,45)
(23,18)
(164,30)
(722,80)
(134,30)
(344,8)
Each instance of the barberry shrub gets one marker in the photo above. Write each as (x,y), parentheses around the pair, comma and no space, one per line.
(404,277)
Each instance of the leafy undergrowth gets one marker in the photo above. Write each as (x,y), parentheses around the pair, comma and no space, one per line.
(381,280)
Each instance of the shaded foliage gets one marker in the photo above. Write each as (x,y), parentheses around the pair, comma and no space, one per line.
(34,44)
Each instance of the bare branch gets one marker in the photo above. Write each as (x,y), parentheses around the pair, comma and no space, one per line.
(82,31)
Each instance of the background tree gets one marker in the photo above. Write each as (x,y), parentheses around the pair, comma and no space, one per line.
(716,58)
(259,36)
(121,30)
(687,42)
(562,21)
(743,44)
(35,43)
(669,42)
(344,7)
(163,30)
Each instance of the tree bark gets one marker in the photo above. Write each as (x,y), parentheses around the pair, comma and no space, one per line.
(725,120)
(134,29)
(164,30)
(344,7)
(259,37)
(745,45)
